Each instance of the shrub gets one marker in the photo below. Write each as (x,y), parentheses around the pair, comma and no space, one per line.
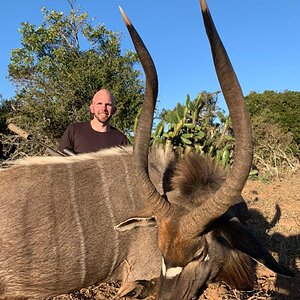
(198,125)
(273,155)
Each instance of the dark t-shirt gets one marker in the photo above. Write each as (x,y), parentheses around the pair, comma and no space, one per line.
(82,138)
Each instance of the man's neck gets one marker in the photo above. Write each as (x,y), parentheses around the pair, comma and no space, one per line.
(100,127)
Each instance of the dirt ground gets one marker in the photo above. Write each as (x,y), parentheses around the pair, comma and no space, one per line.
(275,212)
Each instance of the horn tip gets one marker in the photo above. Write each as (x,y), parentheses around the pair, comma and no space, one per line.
(124,16)
(203,4)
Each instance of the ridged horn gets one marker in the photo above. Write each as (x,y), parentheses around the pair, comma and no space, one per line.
(143,132)
(197,220)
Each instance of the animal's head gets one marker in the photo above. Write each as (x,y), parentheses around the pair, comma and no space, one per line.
(193,245)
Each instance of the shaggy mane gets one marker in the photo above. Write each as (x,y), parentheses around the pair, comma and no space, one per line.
(238,271)
(195,174)
(49,160)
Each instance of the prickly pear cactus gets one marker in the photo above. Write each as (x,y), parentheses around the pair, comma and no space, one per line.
(198,125)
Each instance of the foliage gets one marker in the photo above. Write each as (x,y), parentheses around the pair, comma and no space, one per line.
(55,78)
(280,109)
(273,156)
(4,111)
(199,125)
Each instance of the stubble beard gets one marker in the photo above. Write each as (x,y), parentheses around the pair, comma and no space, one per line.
(103,120)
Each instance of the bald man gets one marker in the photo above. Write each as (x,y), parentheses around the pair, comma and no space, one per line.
(91,136)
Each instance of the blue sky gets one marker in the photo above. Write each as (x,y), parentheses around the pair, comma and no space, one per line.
(261,37)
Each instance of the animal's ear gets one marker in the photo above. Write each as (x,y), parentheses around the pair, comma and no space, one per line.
(243,240)
(136,222)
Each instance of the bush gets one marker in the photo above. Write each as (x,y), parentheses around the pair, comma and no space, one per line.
(198,125)
(280,109)
(273,155)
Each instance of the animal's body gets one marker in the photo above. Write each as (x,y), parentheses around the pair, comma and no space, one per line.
(57,231)
(57,240)
(68,222)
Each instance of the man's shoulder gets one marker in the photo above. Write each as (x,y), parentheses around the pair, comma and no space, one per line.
(78,126)
(119,136)
(83,124)
(115,130)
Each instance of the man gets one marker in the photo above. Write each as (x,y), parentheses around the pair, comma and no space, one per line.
(91,136)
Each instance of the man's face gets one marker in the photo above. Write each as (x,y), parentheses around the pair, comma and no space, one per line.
(103,107)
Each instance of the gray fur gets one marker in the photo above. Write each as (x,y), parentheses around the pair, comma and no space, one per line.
(57,225)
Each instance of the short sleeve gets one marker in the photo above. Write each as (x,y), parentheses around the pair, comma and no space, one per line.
(67,139)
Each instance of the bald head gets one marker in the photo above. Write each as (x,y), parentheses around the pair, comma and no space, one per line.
(103,106)
(104,94)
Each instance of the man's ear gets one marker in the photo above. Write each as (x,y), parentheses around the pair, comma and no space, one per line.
(92,109)
(114,110)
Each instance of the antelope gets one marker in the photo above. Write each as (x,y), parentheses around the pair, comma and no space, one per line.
(159,224)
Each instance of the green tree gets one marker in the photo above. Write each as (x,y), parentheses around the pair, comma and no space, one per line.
(4,111)
(7,145)
(280,109)
(55,77)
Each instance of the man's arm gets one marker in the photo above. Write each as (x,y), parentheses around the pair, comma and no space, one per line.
(125,141)
(67,140)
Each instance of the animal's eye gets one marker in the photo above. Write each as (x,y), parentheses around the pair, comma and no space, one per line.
(199,254)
